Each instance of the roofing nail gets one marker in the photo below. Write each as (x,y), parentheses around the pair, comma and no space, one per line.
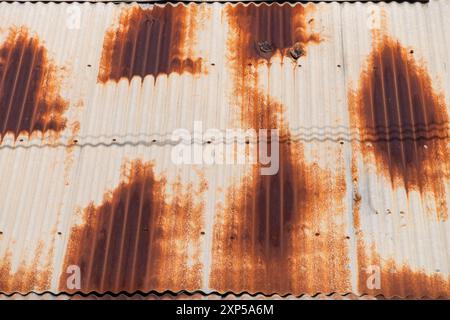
(265,46)
(296,51)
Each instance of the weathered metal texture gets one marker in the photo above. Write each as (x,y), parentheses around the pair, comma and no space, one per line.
(358,92)
(181,296)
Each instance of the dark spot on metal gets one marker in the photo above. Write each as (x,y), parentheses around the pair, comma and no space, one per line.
(397,110)
(411,51)
(202,233)
(29,88)
(120,245)
(89,65)
(114,140)
(154,140)
(338,65)
(75,141)
(59,233)
(296,51)
(150,41)
(317,234)
(265,49)
(213,64)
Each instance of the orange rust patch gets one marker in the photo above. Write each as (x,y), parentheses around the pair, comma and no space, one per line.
(404,120)
(150,41)
(29,88)
(263,30)
(28,277)
(395,279)
(398,280)
(135,240)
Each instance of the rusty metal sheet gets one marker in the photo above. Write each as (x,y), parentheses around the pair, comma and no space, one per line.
(357,208)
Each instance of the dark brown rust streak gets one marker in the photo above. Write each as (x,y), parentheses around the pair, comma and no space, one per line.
(124,243)
(150,41)
(264,213)
(29,89)
(397,109)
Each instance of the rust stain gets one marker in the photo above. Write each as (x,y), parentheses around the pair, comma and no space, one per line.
(269,237)
(136,240)
(272,238)
(28,277)
(402,120)
(397,279)
(29,88)
(150,41)
(264,30)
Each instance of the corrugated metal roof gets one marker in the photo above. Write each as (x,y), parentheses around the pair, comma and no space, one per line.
(90,94)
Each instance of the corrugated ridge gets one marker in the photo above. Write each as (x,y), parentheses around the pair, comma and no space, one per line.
(214,294)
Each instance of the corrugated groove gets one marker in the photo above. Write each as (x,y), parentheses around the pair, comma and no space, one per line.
(93,184)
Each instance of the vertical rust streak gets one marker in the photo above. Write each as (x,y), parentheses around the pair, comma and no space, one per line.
(13,66)
(27,87)
(106,257)
(118,286)
(271,209)
(139,235)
